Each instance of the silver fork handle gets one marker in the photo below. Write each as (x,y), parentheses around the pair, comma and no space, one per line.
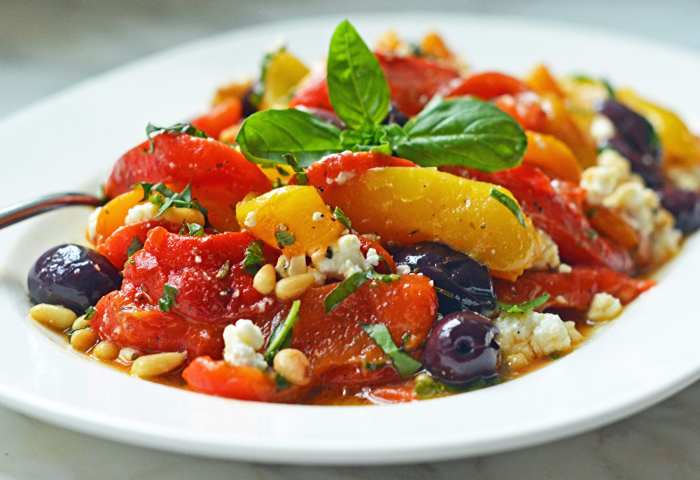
(22,211)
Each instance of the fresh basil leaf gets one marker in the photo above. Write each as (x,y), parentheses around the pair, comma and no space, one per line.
(463,132)
(299,172)
(284,238)
(253,260)
(509,203)
(525,306)
(269,135)
(357,87)
(195,229)
(403,362)
(90,312)
(348,286)
(282,336)
(167,300)
(176,129)
(342,218)
(134,246)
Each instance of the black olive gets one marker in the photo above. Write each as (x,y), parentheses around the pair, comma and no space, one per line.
(684,206)
(249,107)
(461,282)
(396,116)
(73,276)
(636,140)
(462,349)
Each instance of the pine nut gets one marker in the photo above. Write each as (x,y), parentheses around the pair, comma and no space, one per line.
(293,365)
(128,355)
(106,351)
(157,364)
(54,316)
(179,215)
(80,323)
(297,265)
(293,287)
(83,339)
(264,281)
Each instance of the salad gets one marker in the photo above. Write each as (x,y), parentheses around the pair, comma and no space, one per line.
(388,227)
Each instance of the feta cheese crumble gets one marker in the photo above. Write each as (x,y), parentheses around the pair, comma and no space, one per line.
(611,184)
(604,307)
(241,344)
(344,257)
(249,221)
(548,257)
(524,337)
(141,213)
(92,224)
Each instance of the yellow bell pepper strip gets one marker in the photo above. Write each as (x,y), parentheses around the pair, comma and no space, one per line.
(294,219)
(409,205)
(541,80)
(562,125)
(552,156)
(681,148)
(113,214)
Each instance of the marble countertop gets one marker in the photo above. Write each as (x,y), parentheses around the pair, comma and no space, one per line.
(48,45)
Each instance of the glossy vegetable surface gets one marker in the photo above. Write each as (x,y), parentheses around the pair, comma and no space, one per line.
(72,276)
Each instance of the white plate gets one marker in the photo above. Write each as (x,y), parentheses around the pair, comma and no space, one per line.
(69,142)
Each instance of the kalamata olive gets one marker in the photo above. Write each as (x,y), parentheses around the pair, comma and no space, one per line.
(396,116)
(636,140)
(248,106)
(461,282)
(73,276)
(684,205)
(461,349)
(323,114)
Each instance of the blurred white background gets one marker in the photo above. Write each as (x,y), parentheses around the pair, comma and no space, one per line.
(48,45)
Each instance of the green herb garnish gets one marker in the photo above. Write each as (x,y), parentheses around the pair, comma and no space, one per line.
(284,238)
(509,203)
(282,335)
(134,247)
(342,218)
(462,131)
(348,286)
(253,260)
(525,306)
(301,176)
(224,269)
(403,362)
(167,300)
(90,312)
(195,229)
(177,129)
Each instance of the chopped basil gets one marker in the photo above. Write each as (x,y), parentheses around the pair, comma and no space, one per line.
(90,312)
(164,198)
(134,246)
(177,129)
(348,286)
(167,300)
(224,270)
(282,335)
(525,306)
(281,383)
(403,362)
(254,258)
(608,87)
(342,218)
(301,176)
(195,229)
(284,238)
(509,203)
(427,387)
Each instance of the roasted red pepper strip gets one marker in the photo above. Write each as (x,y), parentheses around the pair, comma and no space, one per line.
(116,246)
(561,218)
(330,169)
(220,117)
(525,108)
(216,377)
(218,174)
(573,290)
(486,86)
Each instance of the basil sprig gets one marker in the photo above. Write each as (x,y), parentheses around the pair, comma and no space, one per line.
(463,131)
(524,307)
(405,364)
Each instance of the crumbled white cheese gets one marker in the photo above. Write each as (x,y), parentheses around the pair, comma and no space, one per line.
(403,269)
(564,268)
(343,177)
(602,129)
(92,224)
(548,257)
(525,337)
(317,216)
(345,259)
(141,213)
(249,221)
(612,185)
(241,344)
(604,307)
(685,178)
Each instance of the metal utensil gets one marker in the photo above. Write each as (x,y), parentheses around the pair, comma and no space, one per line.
(21,211)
